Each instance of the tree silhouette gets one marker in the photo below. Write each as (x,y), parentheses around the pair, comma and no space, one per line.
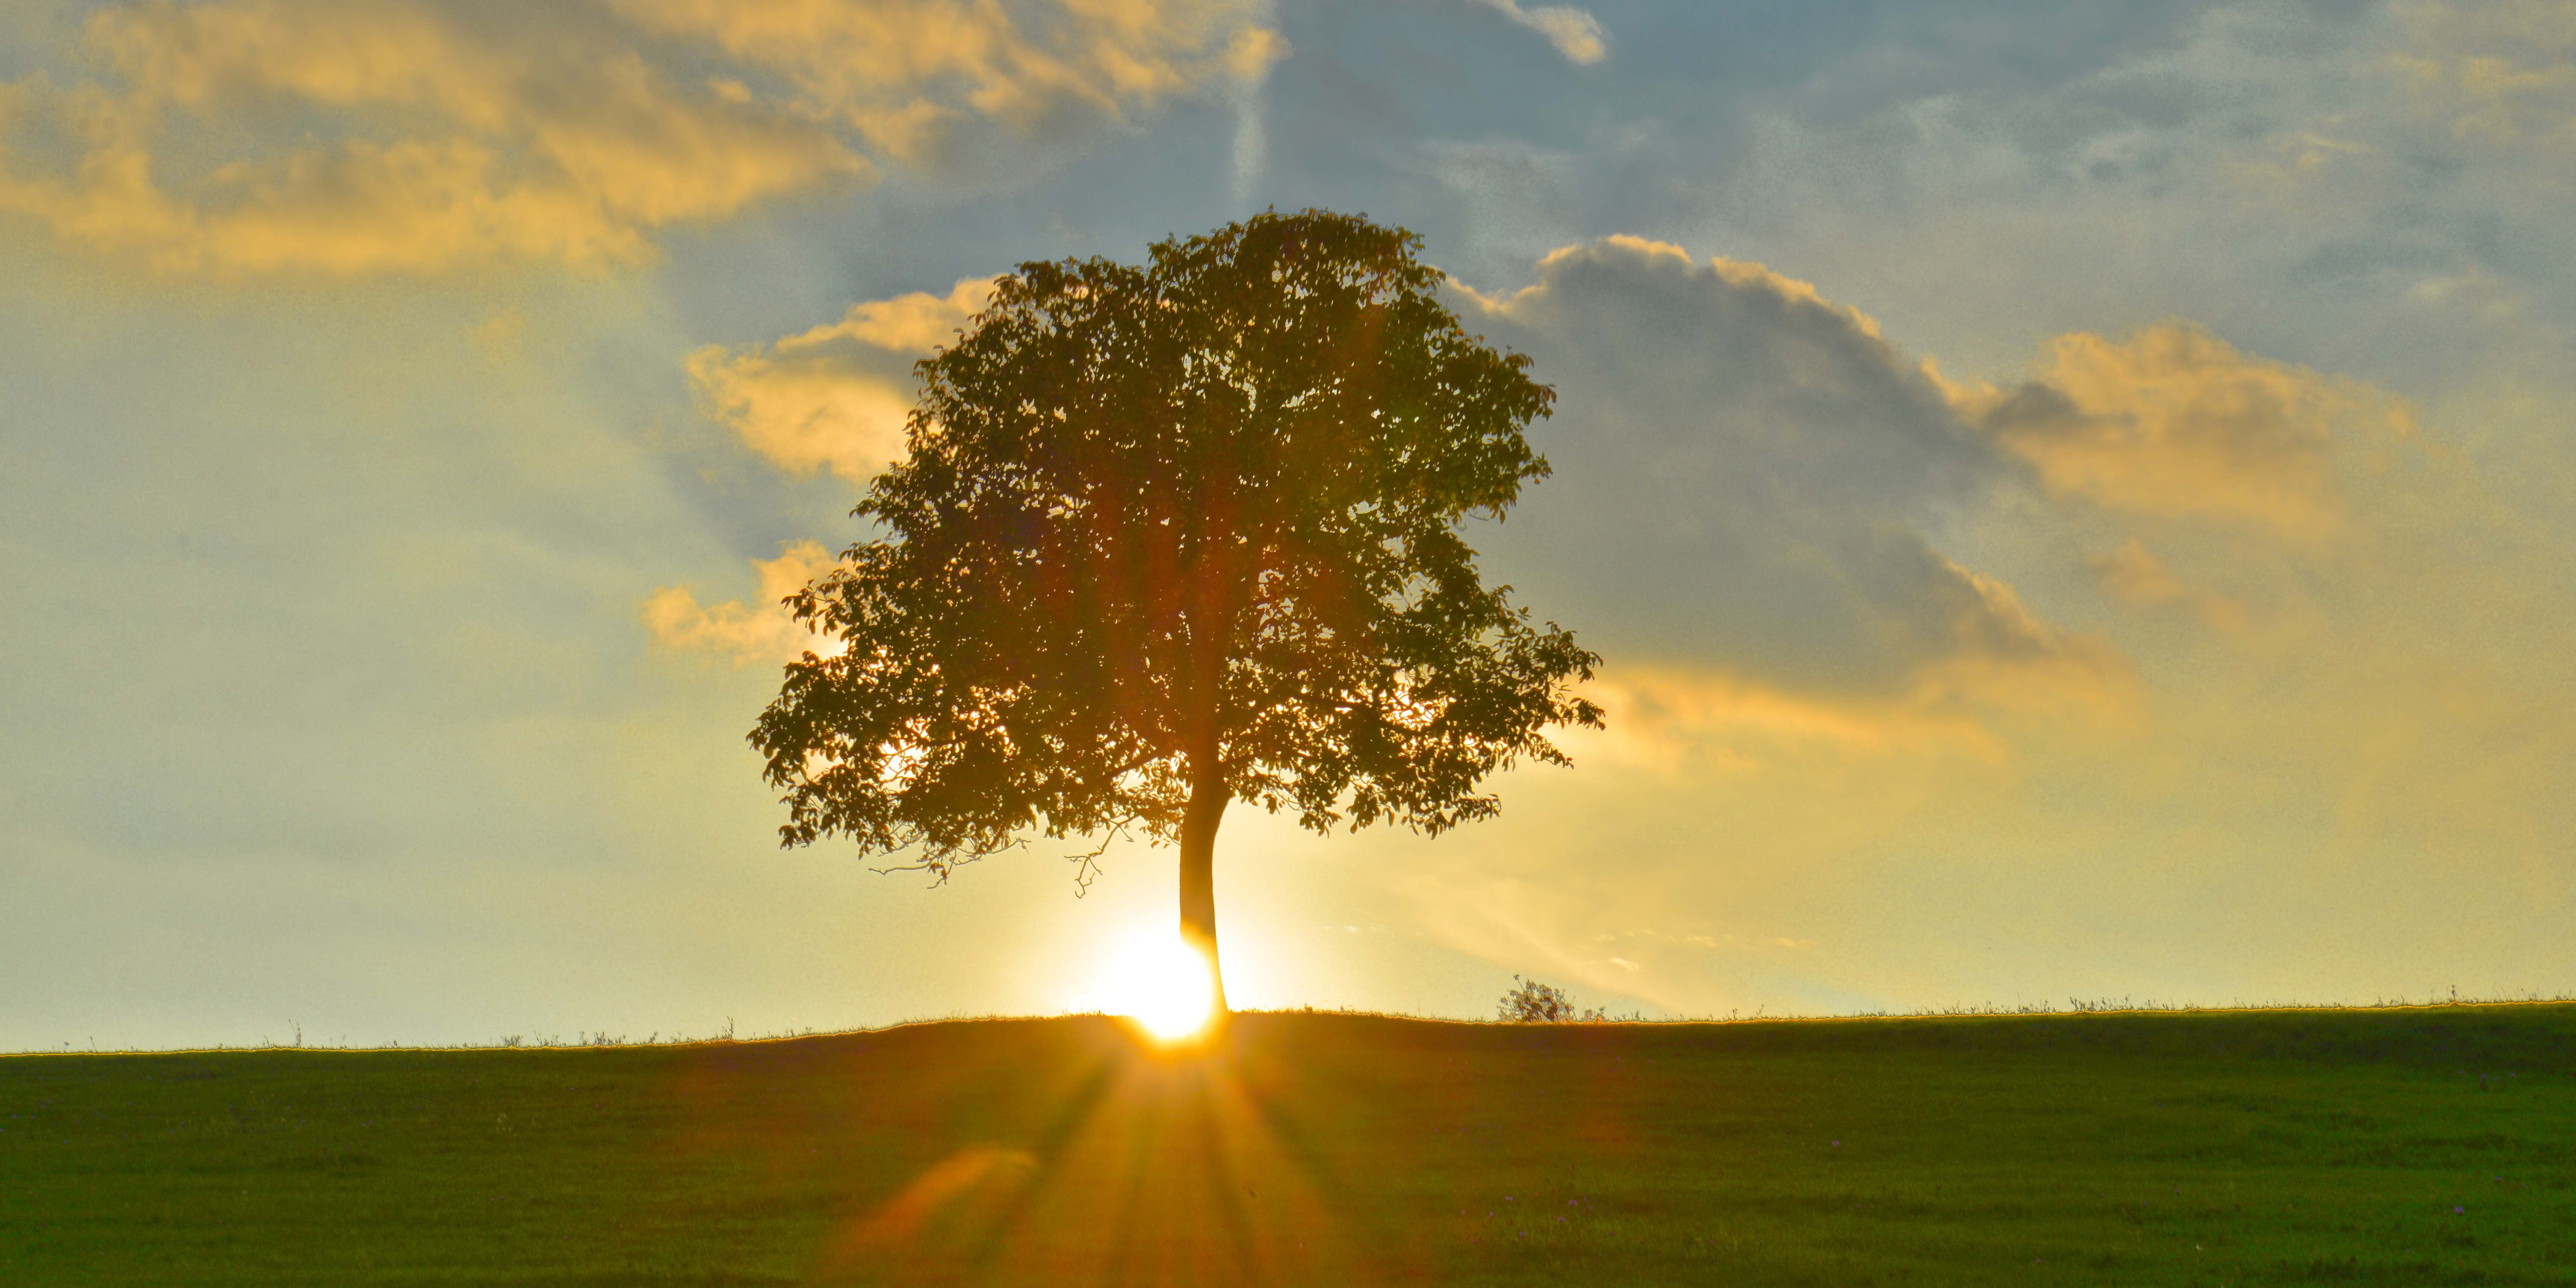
(1174,536)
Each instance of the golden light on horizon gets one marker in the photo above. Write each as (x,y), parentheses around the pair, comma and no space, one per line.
(1163,984)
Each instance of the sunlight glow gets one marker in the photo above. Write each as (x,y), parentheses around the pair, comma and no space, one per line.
(1163,984)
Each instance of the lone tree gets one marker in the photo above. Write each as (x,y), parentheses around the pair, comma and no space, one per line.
(1175,536)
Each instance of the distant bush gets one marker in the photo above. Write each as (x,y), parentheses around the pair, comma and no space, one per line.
(1537,1003)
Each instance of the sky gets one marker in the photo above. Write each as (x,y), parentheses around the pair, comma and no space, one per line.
(2073,498)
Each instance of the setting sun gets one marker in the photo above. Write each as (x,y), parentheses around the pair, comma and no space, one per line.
(1162,984)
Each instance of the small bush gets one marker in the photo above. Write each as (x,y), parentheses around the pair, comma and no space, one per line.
(1537,1003)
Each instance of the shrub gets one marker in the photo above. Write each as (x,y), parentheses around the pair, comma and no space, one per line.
(1537,1003)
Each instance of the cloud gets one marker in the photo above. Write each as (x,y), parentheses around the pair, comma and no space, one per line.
(2141,581)
(2134,575)
(1575,33)
(2501,74)
(1680,723)
(903,73)
(804,412)
(498,336)
(834,397)
(914,323)
(2175,422)
(760,631)
(1745,476)
(301,134)
(424,135)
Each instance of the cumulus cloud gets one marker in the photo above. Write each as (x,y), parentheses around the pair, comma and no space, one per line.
(760,631)
(834,397)
(2175,422)
(1746,473)
(420,135)
(2317,618)
(1575,33)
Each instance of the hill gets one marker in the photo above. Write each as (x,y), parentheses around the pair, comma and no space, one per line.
(2391,1146)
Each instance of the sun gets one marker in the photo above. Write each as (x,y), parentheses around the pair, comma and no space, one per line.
(1163,984)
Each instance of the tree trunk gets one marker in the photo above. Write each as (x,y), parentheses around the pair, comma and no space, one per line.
(1208,797)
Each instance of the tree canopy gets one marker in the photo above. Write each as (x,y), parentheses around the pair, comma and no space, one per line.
(1174,536)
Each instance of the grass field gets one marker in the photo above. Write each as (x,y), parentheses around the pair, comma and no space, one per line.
(2422,1146)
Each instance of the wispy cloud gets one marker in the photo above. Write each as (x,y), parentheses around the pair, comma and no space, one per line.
(1575,33)
(2501,74)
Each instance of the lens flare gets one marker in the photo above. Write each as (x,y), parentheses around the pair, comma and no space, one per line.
(1164,985)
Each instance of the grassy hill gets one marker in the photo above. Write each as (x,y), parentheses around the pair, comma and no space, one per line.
(2432,1145)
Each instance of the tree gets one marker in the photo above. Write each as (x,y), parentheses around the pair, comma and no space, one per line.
(1531,1002)
(1174,536)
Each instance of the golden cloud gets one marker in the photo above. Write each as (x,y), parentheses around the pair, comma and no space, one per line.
(820,399)
(760,631)
(913,323)
(1708,829)
(498,336)
(455,144)
(420,135)
(2134,575)
(900,71)
(2177,423)
(1683,720)
(2006,660)
(805,412)
(2006,665)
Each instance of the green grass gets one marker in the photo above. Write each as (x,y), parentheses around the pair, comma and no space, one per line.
(2423,1146)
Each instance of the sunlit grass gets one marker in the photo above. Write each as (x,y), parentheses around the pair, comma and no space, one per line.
(2413,1146)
